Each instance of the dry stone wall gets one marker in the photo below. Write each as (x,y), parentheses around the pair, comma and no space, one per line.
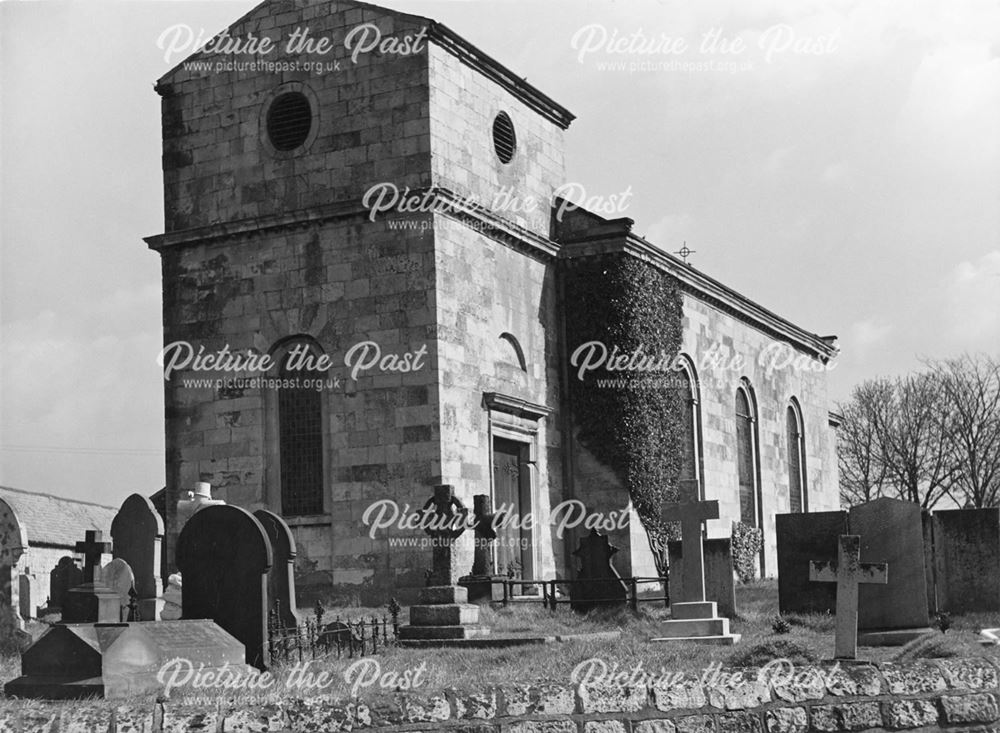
(949,694)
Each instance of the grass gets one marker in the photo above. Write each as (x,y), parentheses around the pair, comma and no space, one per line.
(806,638)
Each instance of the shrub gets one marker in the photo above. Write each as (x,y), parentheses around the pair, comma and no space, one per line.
(780,626)
(760,654)
(747,542)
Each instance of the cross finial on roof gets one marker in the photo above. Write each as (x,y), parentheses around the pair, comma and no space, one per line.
(685,252)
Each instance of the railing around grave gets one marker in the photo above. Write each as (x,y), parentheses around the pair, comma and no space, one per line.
(559,590)
(318,636)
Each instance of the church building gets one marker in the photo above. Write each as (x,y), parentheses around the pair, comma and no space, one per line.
(348,214)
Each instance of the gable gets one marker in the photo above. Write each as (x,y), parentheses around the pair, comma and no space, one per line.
(55,521)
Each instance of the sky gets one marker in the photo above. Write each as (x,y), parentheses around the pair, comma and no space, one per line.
(837,162)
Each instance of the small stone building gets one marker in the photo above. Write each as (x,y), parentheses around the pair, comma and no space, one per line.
(36,532)
(452,315)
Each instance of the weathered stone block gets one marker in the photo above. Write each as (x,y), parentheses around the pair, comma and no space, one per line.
(182,718)
(452,614)
(748,693)
(901,714)
(911,679)
(431,709)
(786,720)
(970,708)
(846,716)
(739,723)
(553,700)
(134,720)
(687,693)
(254,719)
(541,726)
(853,680)
(612,698)
(82,719)
(481,706)
(969,674)
(796,684)
(604,726)
(654,726)
(695,724)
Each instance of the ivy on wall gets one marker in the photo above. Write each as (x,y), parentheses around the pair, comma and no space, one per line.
(635,429)
(747,541)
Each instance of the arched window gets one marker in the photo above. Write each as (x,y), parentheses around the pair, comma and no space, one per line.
(746,455)
(690,478)
(797,501)
(300,431)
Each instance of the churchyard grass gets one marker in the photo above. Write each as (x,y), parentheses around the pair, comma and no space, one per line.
(810,637)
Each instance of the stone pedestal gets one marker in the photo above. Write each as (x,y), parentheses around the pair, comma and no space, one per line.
(443,613)
(483,588)
(697,621)
(92,603)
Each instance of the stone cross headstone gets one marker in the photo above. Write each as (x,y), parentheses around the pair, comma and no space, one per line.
(443,611)
(692,516)
(848,574)
(603,586)
(445,519)
(93,601)
(719,583)
(281,578)
(224,557)
(137,535)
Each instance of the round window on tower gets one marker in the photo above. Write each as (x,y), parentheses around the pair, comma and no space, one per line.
(504,139)
(289,121)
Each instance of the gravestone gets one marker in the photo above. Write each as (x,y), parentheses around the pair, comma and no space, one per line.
(13,545)
(891,532)
(137,536)
(967,559)
(603,586)
(483,584)
(118,576)
(801,539)
(123,660)
(281,578)
(692,617)
(719,584)
(848,573)
(64,576)
(443,612)
(25,596)
(93,601)
(224,557)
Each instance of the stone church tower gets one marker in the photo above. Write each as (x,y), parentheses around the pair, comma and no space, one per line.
(442,314)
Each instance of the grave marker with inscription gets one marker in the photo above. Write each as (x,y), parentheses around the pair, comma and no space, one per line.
(137,535)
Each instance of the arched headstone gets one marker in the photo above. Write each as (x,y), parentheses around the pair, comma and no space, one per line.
(13,544)
(136,534)
(118,576)
(66,575)
(281,578)
(224,556)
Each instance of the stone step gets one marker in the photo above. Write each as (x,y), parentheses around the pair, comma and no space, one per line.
(447,614)
(721,639)
(442,632)
(694,609)
(695,627)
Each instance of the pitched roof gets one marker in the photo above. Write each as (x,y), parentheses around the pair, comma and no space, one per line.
(53,520)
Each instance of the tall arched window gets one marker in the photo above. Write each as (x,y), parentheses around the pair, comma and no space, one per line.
(797,500)
(746,455)
(300,431)
(690,478)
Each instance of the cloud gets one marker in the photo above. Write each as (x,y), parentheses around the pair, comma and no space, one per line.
(974,303)
(867,334)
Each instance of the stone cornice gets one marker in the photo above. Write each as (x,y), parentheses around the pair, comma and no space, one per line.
(515,406)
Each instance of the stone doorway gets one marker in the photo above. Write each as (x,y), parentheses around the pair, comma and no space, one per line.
(512,494)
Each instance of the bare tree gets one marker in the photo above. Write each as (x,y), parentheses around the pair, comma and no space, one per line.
(860,454)
(916,441)
(971,386)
